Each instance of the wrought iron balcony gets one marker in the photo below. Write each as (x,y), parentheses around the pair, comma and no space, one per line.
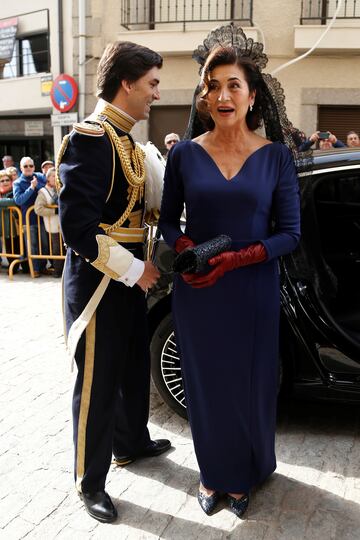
(320,11)
(148,14)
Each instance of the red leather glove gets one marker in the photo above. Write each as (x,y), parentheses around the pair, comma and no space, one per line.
(182,243)
(229,260)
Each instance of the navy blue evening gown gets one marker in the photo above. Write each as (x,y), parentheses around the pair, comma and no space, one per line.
(228,333)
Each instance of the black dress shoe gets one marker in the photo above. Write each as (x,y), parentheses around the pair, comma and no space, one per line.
(99,506)
(154,448)
(238,506)
(208,502)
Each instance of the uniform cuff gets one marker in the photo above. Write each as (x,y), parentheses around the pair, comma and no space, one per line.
(113,259)
(134,273)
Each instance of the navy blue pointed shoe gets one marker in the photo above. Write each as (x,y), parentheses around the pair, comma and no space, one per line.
(238,506)
(208,502)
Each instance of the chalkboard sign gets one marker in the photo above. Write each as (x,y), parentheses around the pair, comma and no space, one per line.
(8,28)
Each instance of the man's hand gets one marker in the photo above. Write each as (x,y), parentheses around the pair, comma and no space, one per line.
(150,276)
(314,137)
(33,182)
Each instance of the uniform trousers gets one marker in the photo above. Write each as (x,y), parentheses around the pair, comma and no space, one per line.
(111,395)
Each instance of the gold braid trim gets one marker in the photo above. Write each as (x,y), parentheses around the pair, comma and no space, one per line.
(117,117)
(134,168)
(59,157)
(134,171)
(104,245)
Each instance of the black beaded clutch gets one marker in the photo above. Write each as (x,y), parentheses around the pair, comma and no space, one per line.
(195,259)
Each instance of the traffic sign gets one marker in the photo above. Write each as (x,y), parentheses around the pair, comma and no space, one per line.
(64,92)
(65,119)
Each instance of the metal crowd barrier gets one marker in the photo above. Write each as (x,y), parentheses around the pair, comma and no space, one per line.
(11,236)
(44,240)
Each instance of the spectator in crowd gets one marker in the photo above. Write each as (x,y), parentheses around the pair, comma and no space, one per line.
(324,143)
(46,165)
(25,190)
(170,140)
(352,139)
(47,197)
(9,231)
(8,161)
(13,173)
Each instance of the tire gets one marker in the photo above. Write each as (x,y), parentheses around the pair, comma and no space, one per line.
(165,366)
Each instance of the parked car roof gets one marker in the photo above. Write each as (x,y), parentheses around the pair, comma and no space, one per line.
(335,158)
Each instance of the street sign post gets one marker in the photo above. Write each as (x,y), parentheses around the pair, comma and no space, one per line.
(64,92)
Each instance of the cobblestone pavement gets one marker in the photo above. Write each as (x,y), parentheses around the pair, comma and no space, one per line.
(315,493)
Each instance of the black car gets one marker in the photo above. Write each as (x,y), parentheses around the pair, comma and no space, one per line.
(320,293)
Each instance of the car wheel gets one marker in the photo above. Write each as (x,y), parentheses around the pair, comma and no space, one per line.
(165,366)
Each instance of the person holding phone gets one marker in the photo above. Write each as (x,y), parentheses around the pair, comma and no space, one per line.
(324,140)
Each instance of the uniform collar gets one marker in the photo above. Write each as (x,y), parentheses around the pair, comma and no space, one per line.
(117,117)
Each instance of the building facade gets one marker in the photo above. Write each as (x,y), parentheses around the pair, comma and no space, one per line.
(36,45)
(322,90)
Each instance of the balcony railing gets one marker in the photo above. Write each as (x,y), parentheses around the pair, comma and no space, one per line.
(147,14)
(320,11)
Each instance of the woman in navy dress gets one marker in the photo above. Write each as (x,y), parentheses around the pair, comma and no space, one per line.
(232,181)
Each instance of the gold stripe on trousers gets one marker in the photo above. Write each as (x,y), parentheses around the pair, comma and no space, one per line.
(85,400)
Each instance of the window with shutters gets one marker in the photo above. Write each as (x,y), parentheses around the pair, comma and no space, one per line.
(163,120)
(339,119)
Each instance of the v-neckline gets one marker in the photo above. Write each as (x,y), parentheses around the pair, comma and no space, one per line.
(242,166)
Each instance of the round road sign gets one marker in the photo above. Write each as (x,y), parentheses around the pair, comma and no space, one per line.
(64,92)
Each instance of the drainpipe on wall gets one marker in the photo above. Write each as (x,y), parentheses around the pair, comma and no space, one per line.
(61,37)
(61,49)
(82,58)
(58,132)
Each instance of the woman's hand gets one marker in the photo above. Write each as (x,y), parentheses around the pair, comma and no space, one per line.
(225,262)
(182,243)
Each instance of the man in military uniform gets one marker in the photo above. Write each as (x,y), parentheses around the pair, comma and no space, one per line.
(102,209)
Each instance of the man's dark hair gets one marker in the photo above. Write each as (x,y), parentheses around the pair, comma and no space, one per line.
(228,55)
(123,61)
(351,132)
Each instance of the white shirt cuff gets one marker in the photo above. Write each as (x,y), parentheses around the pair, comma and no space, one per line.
(133,274)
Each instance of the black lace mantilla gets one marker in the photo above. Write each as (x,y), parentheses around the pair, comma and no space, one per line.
(276,123)
(231,35)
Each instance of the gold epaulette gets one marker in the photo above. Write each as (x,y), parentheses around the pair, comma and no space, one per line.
(85,128)
(61,152)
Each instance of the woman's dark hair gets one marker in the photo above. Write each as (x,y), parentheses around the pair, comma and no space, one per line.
(123,61)
(221,56)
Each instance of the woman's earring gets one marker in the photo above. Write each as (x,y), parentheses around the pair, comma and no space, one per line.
(251,107)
